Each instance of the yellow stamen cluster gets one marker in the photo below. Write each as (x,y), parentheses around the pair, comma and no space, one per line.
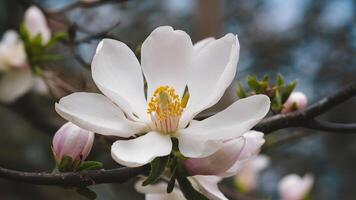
(165,103)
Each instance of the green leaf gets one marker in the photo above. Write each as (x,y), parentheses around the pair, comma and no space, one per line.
(265,78)
(288,90)
(240,90)
(66,164)
(253,83)
(277,103)
(188,191)
(158,166)
(56,38)
(90,165)
(87,193)
(280,80)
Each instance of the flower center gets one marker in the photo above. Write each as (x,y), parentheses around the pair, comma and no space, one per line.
(165,109)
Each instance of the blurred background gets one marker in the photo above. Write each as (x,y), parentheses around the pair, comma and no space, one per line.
(311,41)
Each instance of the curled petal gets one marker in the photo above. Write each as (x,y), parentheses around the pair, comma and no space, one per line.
(218,162)
(208,185)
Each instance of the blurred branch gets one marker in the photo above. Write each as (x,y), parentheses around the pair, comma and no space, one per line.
(331,126)
(75,179)
(306,118)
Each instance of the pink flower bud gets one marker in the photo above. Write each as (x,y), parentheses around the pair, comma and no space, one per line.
(224,162)
(247,178)
(293,187)
(297,100)
(73,141)
(36,23)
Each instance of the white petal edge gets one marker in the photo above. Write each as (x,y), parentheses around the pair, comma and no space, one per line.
(209,186)
(253,143)
(219,162)
(15,83)
(117,73)
(202,138)
(141,150)
(97,113)
(165,56)
(212,71)
(158,191)
(202,43)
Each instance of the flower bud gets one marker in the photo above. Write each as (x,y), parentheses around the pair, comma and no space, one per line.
(246,179)
(293,187)
(224,162)
(72,141)
(12,51)
(36,23)
(296,101)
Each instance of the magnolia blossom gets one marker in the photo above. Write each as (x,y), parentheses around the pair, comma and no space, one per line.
(35,22)
(72,141)
(207,185)
(228,160)
(247,177)
(294,187)
(297,100)
(16,76)
(171,64)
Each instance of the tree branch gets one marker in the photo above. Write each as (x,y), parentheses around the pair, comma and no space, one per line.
(75,179)
(305,118)
(331,126)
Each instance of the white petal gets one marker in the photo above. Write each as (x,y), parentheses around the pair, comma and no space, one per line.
(203,137)
(158,191)
(36,23)
(142,150)
(196,147)
(294,187)
(97,113)
(209,187)
(117,73)
(165,56)
(15,83)
(253,142)
(202,43)
(213,69)
(218,162)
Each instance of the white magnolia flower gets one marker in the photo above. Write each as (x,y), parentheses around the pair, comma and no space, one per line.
(16,77)
(170,64)
(247,177)
(35,22)
(294,187)
(207,185)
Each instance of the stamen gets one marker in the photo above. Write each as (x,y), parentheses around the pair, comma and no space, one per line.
(165,109)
